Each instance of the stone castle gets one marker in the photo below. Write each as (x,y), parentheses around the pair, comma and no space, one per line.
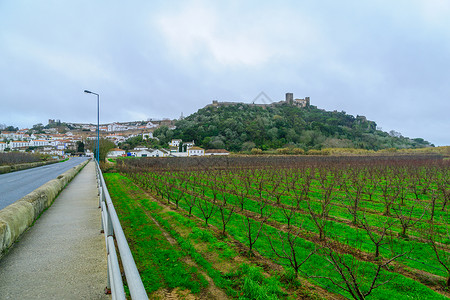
(305,102)
(289,100)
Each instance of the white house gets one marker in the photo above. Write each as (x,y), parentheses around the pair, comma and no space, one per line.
(9,135)
(3,146)
(188,144)
(39,143)
(175,143)
(116,138)
(116,127)
(164,152)
(150,153)
(147,135)
(56,137)
(116,152)
(140,148)
(196,151)
(158,153)
(18,144)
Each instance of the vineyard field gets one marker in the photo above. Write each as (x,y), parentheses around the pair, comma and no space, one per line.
(288,227)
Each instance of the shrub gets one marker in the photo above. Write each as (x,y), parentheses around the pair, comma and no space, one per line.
(256,151)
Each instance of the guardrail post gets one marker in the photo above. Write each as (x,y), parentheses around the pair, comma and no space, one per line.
(109,226)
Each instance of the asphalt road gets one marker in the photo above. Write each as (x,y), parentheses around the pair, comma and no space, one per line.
(63,255)
(15,185)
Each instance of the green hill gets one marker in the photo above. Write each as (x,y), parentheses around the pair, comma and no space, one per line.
(241,127)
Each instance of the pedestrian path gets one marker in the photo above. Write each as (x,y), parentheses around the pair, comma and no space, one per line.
(62,256)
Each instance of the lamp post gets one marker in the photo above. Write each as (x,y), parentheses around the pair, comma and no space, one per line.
(98,123)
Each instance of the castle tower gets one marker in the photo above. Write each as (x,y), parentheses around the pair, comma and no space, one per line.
(290,98)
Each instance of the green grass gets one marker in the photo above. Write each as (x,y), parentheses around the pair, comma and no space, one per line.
(347,234)
(160,263)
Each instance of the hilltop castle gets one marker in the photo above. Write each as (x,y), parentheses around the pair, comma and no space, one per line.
(296,102)
(289,100)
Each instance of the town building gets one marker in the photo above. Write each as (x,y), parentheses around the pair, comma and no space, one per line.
(196,151)
(116,152)
(217,152)
(175,143)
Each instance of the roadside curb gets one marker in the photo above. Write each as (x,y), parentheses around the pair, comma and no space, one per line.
(17,217)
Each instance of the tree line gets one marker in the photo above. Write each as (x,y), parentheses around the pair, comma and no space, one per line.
(242,127)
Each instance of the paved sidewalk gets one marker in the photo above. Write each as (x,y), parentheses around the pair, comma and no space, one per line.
(62,256)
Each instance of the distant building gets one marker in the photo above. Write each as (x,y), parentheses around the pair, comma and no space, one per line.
(196,151)
(150,153)
(289,99)
(18,144)
(217,152)
(302,102)
(39,143)
(147,135)
(175,143)
(188,145)
(297,102)
(173,149)
(116,152)
(116,127)
(140,148)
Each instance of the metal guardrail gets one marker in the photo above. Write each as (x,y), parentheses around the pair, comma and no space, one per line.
(111,227)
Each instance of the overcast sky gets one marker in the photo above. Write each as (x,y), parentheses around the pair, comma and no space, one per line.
(387,60)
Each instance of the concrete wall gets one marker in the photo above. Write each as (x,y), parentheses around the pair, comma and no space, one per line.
(17,217)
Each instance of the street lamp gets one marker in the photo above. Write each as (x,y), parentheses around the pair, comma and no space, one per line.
(98,123)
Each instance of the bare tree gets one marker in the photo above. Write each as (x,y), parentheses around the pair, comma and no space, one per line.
(389,192)
(207,209)
(191,200)
(289,250)
(400,177)
(226,211)
(443,185)
(178,195)
(272,188)
(436,241)
(406,218)
(431,207)
(371,182)
(378,237)
(222,184)
(242,192)
(262,201)
(212,183)
(353,188)
(289,213)
(352,272)
(252,230)
(415,181)
(320,209)
(305,186)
